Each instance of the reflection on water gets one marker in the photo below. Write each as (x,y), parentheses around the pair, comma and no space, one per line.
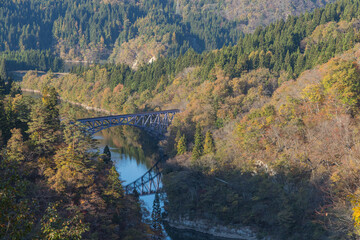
(132,143)
(133,153)
(129,167)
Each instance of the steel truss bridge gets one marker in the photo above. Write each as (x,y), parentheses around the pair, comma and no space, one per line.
(147,184)
(153,122)
(156,123)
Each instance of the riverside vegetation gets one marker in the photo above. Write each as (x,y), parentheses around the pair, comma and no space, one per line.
(275,117)
(53,186)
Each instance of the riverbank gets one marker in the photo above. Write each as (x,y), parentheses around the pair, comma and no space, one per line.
(71,102)
(207,227)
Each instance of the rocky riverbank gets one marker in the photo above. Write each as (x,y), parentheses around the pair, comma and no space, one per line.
(206,227)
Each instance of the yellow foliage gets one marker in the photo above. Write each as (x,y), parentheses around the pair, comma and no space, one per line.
(335,177)
(343,82)
(355,202)
(313,93)
(288,110)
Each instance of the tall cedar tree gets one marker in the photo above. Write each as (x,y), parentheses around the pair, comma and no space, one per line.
(181,146)
(45,123)
(198,145)
(3,70)
(50,102)
(156,220)
(15,146)
(209,146)
(107,154)
(177,139)
(2,87)
(75,166)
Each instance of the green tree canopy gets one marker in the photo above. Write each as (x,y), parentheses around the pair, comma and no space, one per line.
(156,227)
(181,146)
(198,145)
(209,146)
(107,154)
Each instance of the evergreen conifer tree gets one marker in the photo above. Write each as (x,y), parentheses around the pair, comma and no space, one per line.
(50,103)
(181,146)
(107,153)
(3,122)
(73,162)
(15,146)
(198,146)
(114,189)
(2,87)
(177,139)
(299,64)
(45,123)
(209,146)
(156,220)
(3,70)
(1,139)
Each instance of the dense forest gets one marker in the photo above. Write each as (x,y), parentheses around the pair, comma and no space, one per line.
(53,185)
(290,47)
(274,117)
(90,29)
(132,32)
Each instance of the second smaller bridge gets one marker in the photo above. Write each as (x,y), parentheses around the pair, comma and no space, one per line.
(147,184)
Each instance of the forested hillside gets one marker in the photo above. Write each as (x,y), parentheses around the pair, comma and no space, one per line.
(275,117)
(251,14)
(286,48)
(132,32)
(90,29)
(53,184)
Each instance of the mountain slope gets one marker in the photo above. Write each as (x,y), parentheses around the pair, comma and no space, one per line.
(92,30)
(250,14)
(281,110)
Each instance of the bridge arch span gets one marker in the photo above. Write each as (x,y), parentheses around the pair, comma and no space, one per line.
(153,122)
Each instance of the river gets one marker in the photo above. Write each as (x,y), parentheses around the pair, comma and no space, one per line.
(133,152)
